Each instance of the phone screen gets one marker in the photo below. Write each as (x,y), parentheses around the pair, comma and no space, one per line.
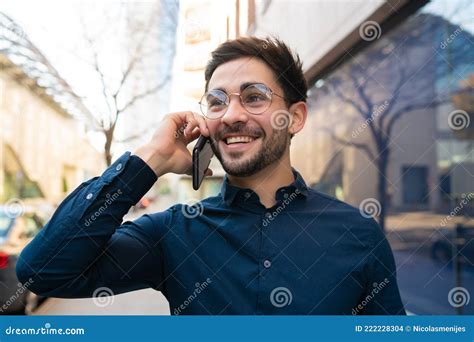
(202,155)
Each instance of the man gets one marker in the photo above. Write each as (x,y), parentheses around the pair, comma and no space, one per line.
(266,244)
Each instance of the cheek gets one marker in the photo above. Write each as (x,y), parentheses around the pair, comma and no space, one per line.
(212,127)
(265,124)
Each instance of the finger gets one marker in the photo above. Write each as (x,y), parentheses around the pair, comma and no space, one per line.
(195,120)
(202,124)
(191,123)
(196,133)
(208,172)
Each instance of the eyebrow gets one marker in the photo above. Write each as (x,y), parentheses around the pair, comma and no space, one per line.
(242,86)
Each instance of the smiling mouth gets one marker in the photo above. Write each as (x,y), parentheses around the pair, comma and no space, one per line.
(243,139)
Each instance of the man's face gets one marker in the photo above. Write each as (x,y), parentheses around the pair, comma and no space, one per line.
(268,144)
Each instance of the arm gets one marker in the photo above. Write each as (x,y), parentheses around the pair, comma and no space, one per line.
(85,245)
(382,293)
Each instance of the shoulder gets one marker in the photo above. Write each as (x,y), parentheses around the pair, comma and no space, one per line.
(346,216)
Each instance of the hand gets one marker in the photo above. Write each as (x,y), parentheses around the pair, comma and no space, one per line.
(167,152)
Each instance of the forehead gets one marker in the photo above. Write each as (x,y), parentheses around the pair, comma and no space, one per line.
(231,75)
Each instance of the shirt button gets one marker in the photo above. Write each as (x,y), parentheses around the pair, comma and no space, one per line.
(267,263)
(118,167)
(89,195)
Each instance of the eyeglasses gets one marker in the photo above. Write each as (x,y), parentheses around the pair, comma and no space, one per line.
(255,98)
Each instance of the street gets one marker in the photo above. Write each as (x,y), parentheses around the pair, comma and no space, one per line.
(143,302)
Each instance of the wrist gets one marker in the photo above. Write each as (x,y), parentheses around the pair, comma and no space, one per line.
(152,158)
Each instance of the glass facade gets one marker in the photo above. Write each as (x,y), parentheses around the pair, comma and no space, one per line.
(394,124)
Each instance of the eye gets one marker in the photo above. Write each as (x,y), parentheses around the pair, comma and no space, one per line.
(215,102)
(255,98)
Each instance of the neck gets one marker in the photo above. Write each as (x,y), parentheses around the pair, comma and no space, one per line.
(267,181)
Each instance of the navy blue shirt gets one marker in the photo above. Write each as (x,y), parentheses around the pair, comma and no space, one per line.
(227,254)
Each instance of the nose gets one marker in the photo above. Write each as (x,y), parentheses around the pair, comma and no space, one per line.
(235,112)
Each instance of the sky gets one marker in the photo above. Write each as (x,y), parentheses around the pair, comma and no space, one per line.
(55,27)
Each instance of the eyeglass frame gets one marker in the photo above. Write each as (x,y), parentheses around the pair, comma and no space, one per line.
(270,91)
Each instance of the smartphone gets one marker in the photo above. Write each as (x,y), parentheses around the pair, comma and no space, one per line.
(202,155)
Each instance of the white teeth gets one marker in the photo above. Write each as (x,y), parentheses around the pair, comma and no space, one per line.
(241,139)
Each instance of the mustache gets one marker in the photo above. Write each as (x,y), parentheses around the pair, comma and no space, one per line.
(239,129)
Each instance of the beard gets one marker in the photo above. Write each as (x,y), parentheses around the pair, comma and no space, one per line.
(271,150)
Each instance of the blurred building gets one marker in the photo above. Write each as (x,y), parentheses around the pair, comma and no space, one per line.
(353,54)
(150,31)
(203,25)
(44,152)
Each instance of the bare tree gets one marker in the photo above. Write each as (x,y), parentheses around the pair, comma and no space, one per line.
(133,36)
(398,75)
(119,92)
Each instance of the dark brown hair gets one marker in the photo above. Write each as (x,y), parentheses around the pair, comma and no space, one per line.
(285,64)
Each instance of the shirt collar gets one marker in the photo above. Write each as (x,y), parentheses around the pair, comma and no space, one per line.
(230,192)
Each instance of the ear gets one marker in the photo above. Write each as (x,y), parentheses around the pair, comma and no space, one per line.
(299,111)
